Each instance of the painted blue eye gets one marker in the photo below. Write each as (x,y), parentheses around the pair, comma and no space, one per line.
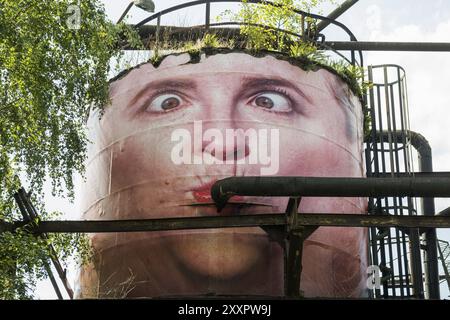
(273,101)
(164,102)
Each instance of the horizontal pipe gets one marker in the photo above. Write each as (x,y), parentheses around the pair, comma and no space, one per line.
(163,224)
(261,220)
(186,33)
(436,174)
(389,46)
(361,220)
(224,189)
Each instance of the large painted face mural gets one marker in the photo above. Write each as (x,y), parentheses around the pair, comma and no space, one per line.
(171,131)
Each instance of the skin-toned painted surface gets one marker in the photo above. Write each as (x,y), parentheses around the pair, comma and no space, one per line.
(131,175)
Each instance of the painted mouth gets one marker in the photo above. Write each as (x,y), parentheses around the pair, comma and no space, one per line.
(200,197)
(202,194)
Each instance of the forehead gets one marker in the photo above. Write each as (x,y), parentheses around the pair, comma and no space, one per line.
(237,65)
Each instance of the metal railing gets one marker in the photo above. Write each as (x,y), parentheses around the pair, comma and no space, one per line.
(304,32)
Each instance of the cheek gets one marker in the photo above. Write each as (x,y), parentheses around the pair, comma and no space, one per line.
(311,155)
(140,158)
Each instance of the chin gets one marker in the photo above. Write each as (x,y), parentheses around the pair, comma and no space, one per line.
(220,254)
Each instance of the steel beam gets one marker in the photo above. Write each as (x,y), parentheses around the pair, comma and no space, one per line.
(234,221)
(336,14)
(445,212)
(389,46)
(184,33)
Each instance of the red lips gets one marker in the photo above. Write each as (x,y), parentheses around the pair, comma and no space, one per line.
(203,194)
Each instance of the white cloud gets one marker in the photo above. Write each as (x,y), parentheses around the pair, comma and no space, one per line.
(373,22)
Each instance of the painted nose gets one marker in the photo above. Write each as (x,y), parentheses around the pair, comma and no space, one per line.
(223,139)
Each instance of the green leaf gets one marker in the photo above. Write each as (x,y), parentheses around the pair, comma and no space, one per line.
(50,75)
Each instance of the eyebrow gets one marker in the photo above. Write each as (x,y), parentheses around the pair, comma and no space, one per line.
(164,84)
(249,82)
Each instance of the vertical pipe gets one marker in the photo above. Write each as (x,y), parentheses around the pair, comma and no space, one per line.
(207,15)
(408,138)
(373,131)
(388,120)
(381,200)
(158,26)
(302,24)
(407,155)
(391,263)
(416,263)
(408,281)
(398,203)
(425,165)
(428,208)
(392,170)
(374,145)
(294,265)
(407,122)
(403,128)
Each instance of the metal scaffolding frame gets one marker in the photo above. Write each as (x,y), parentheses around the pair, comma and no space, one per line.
(291,228)
(397,233)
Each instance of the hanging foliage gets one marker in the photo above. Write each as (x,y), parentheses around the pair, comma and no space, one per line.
(54,63)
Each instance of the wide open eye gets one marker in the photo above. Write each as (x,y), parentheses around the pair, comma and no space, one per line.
(164,102)
(272,101)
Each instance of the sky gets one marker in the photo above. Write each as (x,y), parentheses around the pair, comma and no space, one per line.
(428,74)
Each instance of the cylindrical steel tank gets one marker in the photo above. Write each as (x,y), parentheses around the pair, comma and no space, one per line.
(171,131)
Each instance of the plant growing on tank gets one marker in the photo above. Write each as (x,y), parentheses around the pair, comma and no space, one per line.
(270,28)
(261,22)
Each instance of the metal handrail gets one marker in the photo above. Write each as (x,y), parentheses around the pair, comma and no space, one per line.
(158,16)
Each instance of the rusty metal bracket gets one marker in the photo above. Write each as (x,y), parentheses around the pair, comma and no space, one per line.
(30,216)
(294,268)
(295,237)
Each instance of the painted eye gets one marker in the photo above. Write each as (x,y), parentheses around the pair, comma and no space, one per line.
(164,102)
(272,101)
